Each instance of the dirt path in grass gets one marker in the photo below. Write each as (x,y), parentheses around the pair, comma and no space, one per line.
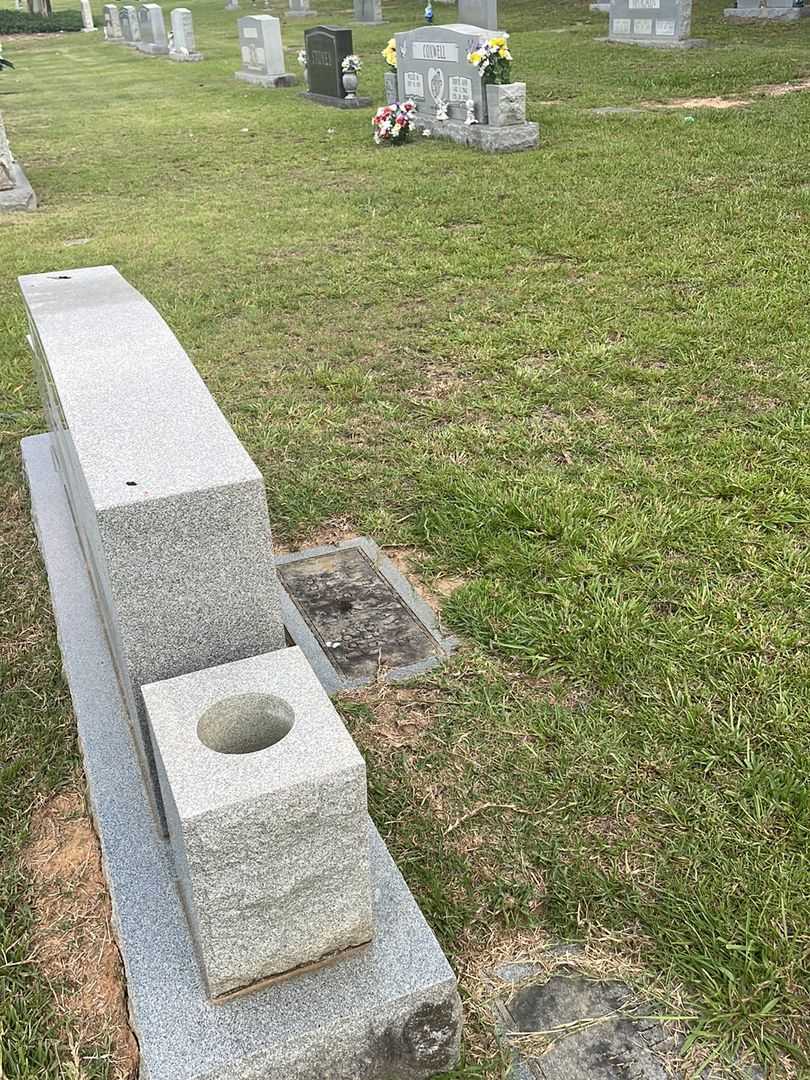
(736,102)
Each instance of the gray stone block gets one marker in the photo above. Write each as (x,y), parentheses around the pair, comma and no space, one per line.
(765,14)
(265,797)
(171,511)
(20,197)
(266,80)
(494,140)
(506,104)
(388,1012)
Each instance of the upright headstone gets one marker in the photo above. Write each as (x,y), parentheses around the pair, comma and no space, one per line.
(171,511)
(87,16)
(659,24)
(112,24)
(232,5)
(262,52)
(183,46)
(368,11)
(142,19)
(154,40)
(300,9)
(450,98)
(326,47)
(432,67)
(130,30)
(479,13)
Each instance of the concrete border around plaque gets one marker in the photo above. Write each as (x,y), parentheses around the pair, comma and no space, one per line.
(390,1010)
(302,634)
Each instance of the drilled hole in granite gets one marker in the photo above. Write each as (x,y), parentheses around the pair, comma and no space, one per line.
(245,723)
(131,483)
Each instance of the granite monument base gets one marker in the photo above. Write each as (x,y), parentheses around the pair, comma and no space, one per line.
(338,103)
(684,43)
(494,140)
(765,14)
(300,14)
(601,6)
(186,57)
(153,50)
(21,197)
(266,80)
(388,1012)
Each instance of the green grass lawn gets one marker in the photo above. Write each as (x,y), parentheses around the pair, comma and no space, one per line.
(574,379)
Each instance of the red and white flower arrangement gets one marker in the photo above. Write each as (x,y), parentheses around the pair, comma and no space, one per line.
(393,123)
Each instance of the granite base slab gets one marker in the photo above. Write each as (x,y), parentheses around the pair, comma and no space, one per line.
(21,198)
(686,43)
(388,1012)
(603,8)
(186,58)
(154,50)
(765,14)
(269,81)
(300,14)
(338,103)
(493,140)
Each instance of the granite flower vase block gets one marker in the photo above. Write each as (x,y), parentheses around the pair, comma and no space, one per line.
(506,103)
(390,82)
(265,796)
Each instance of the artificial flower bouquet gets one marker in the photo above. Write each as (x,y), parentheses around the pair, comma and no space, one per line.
(389,54)
(493,60)
(351,64)
(393,123)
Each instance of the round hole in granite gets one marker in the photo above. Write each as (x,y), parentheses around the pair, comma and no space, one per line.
(245,723)
(131,483)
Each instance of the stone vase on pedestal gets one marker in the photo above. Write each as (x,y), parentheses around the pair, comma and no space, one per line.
(506,103)
(349,80)
(390,79)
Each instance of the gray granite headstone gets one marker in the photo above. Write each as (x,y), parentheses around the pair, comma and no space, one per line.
(157,41)
(659,23)
(432,66)
(184,46)
(479,13)
(144,28)
(300,9)
(326,46)
(262,51)
(129,22)
(112,23)
(368,11)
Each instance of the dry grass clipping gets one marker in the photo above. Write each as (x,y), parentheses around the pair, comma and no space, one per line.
(72,937)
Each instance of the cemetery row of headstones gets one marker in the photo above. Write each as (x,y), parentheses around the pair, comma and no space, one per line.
(667,23)
(144,28)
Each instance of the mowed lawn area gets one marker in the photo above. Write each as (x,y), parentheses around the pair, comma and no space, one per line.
(572,383)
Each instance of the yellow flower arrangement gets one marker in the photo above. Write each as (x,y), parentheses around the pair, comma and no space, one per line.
(390,53)
(493,59)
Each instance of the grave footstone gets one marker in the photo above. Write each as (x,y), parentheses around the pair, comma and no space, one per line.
(326,47)
(434,72)
(88,26)
(659,24)
(15,191)
(112,24)
(183,45)
(154,40)
(262,52)
(368,12)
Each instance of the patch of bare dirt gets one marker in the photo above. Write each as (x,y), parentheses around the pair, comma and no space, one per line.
(734,102)
(439,588)
(73,942)
(333,531)
(401,716)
